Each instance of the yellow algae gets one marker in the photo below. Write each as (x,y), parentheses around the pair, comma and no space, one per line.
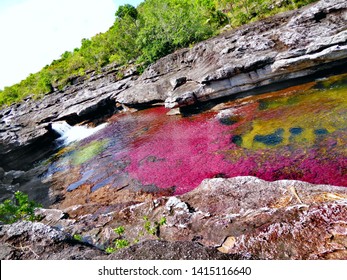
(313,114)
(89,151)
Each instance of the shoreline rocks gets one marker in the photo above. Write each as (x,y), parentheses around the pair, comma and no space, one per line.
(36,241)
(282,48)
(242,217)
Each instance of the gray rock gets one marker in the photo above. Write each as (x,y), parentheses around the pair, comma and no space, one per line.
(186,93)
(2,173)
(12,175)
(279,220)
(177,82)
(164,250)
(25,131)
(289,46)
(27,240)
(242,215)
(50,216)
(310,60)
(5,251)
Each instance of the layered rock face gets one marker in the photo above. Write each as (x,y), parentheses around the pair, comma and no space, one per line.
(26,240)
(247,60)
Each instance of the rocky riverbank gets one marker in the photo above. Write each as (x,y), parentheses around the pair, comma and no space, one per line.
(242,218)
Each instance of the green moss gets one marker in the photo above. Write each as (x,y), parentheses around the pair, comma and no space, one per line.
(88,152)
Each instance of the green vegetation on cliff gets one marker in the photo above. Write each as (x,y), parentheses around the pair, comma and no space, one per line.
(144,34)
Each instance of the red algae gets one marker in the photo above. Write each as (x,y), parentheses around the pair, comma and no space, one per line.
(300,134)
(181,153)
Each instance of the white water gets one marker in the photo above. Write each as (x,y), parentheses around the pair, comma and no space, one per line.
(71,134)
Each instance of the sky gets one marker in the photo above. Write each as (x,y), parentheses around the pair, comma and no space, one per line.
(35,32)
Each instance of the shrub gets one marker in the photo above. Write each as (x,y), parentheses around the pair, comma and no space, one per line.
(155,228)
(119,230)
(78,237)
(21,208)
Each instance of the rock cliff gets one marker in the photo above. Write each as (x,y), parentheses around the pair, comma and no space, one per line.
(265,53)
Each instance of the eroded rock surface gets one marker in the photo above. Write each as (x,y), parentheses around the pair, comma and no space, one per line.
(25,128)
(27,240)
(164,250)
(242,216)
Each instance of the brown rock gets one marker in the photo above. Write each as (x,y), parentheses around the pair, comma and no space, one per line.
(242,216)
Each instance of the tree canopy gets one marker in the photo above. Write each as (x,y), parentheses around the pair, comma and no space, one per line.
(127,10)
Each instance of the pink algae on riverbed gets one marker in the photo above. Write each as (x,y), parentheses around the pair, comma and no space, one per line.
(181,153)
(299,133)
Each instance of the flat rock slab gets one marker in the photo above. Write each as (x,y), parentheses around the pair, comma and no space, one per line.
(164,250)
(242,216)
(27,240)
(288,46)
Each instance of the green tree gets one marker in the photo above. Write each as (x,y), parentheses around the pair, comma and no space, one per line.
(144,34)
(169,25)
(44,83)
(127,10)
(122,36)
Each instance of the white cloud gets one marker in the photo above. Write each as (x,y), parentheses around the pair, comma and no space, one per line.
(34,32)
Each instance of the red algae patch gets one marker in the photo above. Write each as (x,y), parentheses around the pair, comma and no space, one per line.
(182,153)
(299,133)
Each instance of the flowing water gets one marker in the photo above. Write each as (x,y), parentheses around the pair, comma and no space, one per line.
(298,133)
(69,134)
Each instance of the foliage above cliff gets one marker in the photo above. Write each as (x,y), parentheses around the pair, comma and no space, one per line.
(144,34)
